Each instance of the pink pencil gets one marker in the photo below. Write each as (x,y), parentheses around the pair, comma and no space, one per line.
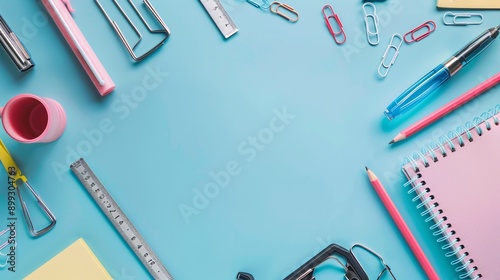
(446,109)
(400,223)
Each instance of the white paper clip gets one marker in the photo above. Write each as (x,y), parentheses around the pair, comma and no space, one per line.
(387,65)
(4,245)
(458,19)
(371,19)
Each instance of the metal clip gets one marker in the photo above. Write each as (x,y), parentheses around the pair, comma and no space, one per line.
(353,268)
(16,175)
(244,276)
(374,18)
(457,18)
(42,205)
(396,48)
(386,267)
(3,245)
(14,48)
(430,25)
(122,36)
(278,5)
(334,16)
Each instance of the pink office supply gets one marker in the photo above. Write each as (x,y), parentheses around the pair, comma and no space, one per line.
(60,10)
(448,108)
(29,118)
(402,226)
(455,184)
(428,27)
(339,37)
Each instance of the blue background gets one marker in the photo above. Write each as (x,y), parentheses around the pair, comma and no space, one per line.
(304,189)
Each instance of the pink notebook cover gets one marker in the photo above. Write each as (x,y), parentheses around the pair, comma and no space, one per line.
(466,186)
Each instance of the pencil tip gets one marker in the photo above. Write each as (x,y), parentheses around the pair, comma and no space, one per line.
(366,168)
(392,142)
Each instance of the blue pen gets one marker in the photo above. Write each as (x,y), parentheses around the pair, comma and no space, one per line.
(428,83)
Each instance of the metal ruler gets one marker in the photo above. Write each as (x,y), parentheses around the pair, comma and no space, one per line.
(220,17)
(126,229)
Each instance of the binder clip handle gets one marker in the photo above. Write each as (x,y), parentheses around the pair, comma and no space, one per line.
(244,276)
(353,269)
(34,232)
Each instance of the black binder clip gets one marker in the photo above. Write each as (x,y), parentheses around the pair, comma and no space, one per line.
(353,270)
(244,276)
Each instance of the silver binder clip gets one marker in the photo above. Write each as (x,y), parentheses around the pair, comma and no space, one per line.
(385,66)
(371,35)
(450,18)
(16,50)
(118,31)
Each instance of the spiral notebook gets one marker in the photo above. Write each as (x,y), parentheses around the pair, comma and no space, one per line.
(455,183)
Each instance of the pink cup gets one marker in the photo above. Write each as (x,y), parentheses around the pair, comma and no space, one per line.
(28,118)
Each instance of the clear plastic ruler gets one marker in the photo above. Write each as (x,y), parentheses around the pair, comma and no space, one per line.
(119,220)
(220,17)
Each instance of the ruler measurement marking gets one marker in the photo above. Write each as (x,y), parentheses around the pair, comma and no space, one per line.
(220,17)
(119,220)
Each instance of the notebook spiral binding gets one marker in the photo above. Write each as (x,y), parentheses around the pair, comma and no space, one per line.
(428,154)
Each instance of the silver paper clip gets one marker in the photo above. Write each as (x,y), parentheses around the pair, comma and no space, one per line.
(458,19)
(122,36)
(275,6)
(384,66)
(16,50)
(372,35)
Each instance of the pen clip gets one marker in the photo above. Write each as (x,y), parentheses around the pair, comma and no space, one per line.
(68,5)
(14,47)
(15,41)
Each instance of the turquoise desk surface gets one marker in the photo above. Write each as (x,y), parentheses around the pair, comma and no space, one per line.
(246,154)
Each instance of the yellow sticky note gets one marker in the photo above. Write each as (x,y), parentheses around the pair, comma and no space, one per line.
(469,4)
(76,262)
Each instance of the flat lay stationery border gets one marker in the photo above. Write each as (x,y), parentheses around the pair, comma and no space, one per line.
(29,118)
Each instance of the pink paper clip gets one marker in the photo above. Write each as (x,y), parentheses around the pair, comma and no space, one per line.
(430,25)
(340,36)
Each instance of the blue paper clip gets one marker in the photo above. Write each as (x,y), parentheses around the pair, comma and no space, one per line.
(264,5)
